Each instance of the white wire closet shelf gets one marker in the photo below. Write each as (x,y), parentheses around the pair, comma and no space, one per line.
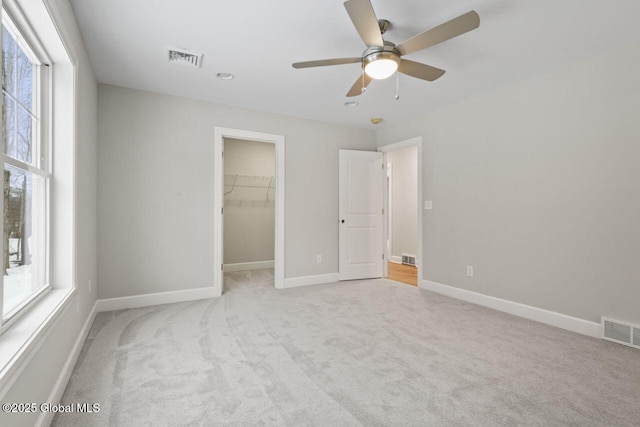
(234,181)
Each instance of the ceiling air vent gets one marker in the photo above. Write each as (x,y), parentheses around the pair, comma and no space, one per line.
(184,57)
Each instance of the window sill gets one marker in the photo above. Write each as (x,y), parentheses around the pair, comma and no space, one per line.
(20,342)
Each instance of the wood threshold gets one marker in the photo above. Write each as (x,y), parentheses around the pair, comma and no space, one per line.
(403,273)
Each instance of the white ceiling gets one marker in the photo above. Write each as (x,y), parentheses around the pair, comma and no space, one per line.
(257,41)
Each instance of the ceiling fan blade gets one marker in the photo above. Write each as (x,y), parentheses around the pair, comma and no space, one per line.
(364,19)
(325,62)
(356,89)
(420,71)
(443,32)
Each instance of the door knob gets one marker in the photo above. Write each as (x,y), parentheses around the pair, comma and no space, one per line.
(342,221)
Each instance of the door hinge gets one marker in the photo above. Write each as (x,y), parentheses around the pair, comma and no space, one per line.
(222,267)
(222,211)
(223,153)
(382,211)
(382,256)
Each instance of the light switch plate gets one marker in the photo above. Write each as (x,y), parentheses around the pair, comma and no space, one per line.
(428,205)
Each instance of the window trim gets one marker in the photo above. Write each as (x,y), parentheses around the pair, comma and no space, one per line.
(12,17)
(22,308)
(21,343)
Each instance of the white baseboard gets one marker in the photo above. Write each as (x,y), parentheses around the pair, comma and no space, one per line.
(294,282)
(395,259)
(541,315)
(243,266)
(60,386)
(135,301)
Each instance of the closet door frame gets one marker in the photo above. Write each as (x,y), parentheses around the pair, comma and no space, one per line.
(220,133)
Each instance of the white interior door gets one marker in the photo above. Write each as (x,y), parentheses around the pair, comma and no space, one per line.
(361,179)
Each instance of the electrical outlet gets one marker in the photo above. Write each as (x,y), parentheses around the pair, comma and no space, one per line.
(428,205)
(319,259)
(470,270)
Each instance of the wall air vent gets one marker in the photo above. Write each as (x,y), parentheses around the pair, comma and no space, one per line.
(184,57)
(621,332)
(409,259)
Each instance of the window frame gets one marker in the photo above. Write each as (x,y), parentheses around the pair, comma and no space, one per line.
(25,37)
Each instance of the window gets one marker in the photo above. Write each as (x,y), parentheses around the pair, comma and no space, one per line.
(26,174)
(38,151)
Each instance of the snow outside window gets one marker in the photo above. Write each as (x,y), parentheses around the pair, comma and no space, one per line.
(26,176)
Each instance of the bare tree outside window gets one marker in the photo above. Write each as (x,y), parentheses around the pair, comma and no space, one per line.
(22,226)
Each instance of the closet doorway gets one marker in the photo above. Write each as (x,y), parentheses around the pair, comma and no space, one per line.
(249,221)
(249,207)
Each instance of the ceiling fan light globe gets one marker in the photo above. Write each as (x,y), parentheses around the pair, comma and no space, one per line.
(381,69)
(381,64)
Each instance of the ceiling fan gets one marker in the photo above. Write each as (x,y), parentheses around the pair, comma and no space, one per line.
(382,58)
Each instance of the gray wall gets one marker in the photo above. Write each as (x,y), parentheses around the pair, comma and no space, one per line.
(404,209)
(249,218)
(537,186)
(151,144)
(40,374)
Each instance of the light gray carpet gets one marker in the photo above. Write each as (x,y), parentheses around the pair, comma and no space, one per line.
(355,353)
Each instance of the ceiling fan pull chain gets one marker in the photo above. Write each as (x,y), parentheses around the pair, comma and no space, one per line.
(397,86)
(363,87)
